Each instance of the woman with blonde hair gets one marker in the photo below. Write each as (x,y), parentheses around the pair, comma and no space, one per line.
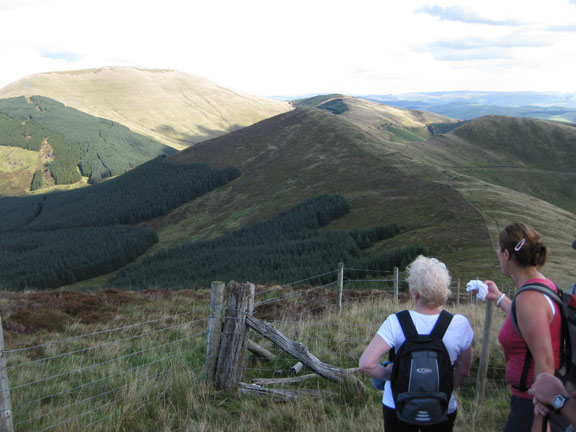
(522,254)
(428,281)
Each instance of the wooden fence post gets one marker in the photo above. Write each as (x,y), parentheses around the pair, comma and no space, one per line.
(396,285)
(458,293)
(234,336)
(6,423)
(214,328)
(484,356)
(340,284)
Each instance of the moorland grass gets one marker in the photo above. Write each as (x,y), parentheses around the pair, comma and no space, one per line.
(163,388)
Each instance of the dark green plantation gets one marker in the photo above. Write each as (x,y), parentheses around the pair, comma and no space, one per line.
(284,249)
(82,144)
(56,239)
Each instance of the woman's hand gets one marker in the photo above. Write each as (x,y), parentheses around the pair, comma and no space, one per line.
(493,292)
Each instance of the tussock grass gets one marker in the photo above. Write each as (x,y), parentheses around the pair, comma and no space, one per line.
(163,387)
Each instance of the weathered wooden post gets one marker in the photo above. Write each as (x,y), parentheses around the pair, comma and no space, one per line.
(396,285)
(484,355)
(340,284)
(6,423)
(458,293)
(215,323)
(234,337)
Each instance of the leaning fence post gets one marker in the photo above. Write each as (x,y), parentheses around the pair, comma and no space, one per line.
(234,336)
(214,328)
(484,356)
(396,285)
(6,423)
(340,284)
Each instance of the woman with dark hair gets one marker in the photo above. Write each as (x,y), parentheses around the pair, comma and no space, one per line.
(522,254)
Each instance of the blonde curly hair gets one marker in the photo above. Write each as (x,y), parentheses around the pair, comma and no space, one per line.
(431,279)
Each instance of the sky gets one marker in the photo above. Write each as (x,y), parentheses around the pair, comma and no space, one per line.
(300,47)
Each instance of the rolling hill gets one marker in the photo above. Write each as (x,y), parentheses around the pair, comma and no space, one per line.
(531,156)
(172,107)
(391,166)
(309,151)
(385,122)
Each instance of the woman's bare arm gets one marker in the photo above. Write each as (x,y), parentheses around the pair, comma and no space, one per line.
(370,359)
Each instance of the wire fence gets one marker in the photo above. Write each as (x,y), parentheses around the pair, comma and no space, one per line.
(78,382)
(82,382)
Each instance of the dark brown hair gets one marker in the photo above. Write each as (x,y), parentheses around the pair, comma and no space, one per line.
(524,244)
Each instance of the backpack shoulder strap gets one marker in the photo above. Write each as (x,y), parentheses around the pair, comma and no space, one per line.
(410,330)
(407,324)
(545,289)
(442,324)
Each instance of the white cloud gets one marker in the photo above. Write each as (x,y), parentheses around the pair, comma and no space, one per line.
(298,47)
(456,13)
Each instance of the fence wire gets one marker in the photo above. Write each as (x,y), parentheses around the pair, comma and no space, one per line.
(83,381)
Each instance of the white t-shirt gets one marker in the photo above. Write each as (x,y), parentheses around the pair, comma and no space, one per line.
(458,338)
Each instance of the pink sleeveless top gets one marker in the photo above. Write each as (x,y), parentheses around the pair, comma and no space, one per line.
(515,347)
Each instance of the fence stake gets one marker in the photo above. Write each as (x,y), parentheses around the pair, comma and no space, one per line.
(396,285)
(484,356)
(5,404)
(340,284)
(458,294)
(234,336)
(214,328)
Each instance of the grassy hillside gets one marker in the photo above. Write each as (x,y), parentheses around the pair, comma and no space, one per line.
(525,155)
(300,154)
(135,362)
(428,188)
(385,122)
(172,107)
(308,152)
(17,167)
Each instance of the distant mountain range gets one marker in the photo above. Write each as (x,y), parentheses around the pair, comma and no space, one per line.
(449,185)
(465,105)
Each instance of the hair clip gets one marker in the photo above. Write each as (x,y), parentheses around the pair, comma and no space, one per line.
(519,245)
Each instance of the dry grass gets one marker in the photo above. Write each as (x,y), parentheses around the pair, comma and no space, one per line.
(163,389)
(17,167)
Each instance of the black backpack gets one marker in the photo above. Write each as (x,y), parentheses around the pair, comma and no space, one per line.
(567,305)
(422,376)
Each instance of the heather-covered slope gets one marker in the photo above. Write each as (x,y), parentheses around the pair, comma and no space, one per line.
(308,152)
